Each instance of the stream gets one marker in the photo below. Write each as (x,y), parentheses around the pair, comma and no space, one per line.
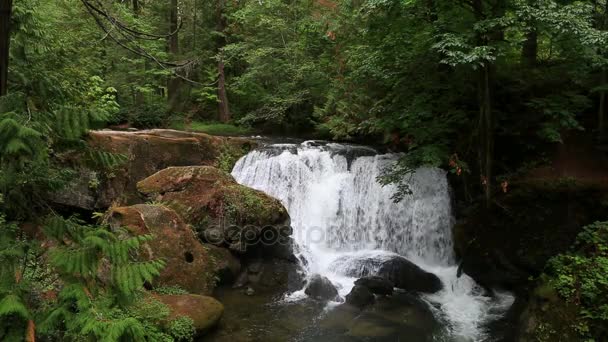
(342,217)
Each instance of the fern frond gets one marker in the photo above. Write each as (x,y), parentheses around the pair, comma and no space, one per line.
(11,305)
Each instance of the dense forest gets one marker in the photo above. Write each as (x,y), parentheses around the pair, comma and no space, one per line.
(486,89)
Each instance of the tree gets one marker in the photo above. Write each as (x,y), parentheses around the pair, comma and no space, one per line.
(6,7)
(223,108)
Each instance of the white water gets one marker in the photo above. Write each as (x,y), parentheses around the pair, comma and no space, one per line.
(339,211)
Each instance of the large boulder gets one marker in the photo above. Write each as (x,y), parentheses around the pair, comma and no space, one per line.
(360,297)
(224,212)
(403,273)
(321,288)
(142,153)
(189,264)
(204,311)
(377,285)
(408,276)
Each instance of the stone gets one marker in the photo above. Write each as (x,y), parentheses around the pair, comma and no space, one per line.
(360,297)
(189,264)
(224,212)
(403,273)
(145,152)
(408,276)
(204,311)
(321,288)
(377,285)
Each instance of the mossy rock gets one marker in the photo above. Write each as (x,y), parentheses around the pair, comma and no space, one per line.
(144,153)
(548,318)
(204,311)
(221,210)
(189,264)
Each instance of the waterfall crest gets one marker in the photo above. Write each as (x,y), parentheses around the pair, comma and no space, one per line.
(340,212)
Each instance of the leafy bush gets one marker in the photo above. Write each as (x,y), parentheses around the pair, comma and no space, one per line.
(581,278)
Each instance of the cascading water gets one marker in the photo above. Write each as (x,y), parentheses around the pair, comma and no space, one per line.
(341,214)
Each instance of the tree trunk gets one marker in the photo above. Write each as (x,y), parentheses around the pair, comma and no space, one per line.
(174,83)
(223,109)
(136,7)
(6,7)
(486,125)
(486,132)
(529,49)
(601,114)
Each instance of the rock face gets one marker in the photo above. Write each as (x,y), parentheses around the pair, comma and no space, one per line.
(189,264)
(204,311)
(144,153)
(406,275)
(377,285)
(360,297)
(222,211)
(321,288)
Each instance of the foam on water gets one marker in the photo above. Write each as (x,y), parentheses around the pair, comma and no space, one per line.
(341,214)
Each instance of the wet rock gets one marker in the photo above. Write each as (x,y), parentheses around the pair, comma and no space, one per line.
(360,296)
(403,273)
(204,311)
(228,266)
(321,288)
(189,264)
(377,285)
(224,212)
(406,275)
(271,276)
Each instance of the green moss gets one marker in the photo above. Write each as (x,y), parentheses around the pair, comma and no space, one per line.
(170,290)
(244,205)
(229,155)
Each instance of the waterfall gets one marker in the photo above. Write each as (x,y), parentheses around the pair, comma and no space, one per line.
(340,213)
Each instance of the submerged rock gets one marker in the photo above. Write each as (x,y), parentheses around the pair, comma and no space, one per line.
(189,264)
(360,296)
(321,288)
(204,311)
(376,285)
(224,212)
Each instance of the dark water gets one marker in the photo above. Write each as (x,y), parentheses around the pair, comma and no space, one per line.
(401,317)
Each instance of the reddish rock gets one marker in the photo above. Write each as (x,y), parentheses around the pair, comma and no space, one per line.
(189,264)
(222,211)
(146,152)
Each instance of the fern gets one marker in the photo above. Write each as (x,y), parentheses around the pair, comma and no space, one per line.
(91,304)
(11,305)
(106,160)
(71,123)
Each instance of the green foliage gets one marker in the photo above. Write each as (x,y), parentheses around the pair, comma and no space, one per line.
(229,155)
(581,278)
(182,329)
(212,128)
